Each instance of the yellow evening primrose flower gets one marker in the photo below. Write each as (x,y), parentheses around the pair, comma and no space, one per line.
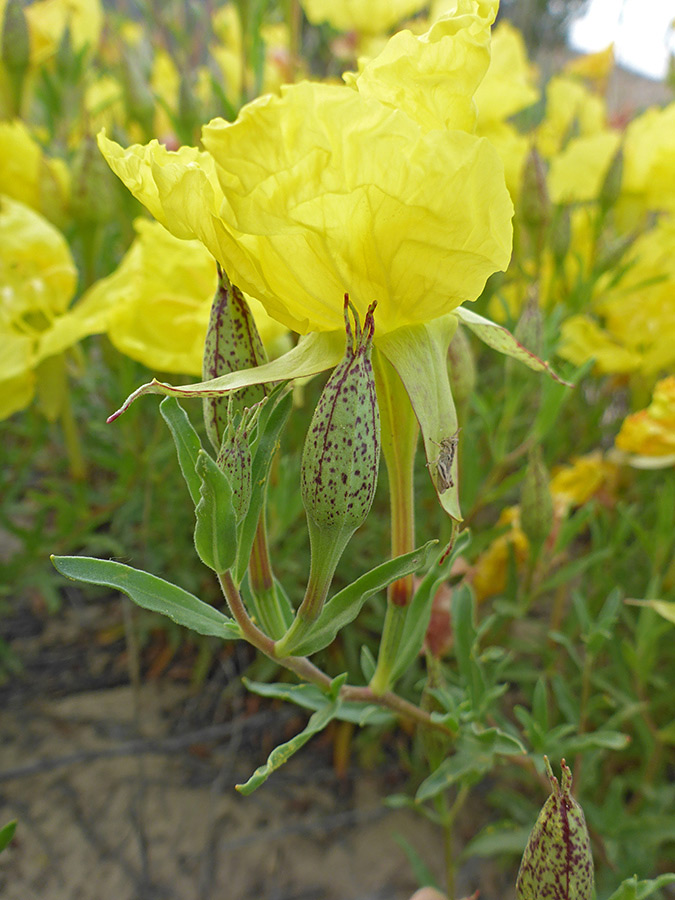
(160,298)
(649,434)
(578,172)
(649,160)
(587,477)
(584,339)
(492,566)
(595,68)
(48,20)
(509,85)
(37,282)
(571,109)
(29,175)
(365,16)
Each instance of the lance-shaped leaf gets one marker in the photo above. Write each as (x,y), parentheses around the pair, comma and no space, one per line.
(313,354)
(216,525)
(283,752)
(344,607)
(418,353)
(6,834)
(151,593)
(501,340)
(186,440)
(310,697)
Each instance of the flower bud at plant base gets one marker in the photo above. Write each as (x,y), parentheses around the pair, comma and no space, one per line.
(557,862)
(342,451)
(232,343)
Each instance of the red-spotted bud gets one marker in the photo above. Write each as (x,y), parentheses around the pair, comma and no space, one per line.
(232,343)
(557,862)
(340,459)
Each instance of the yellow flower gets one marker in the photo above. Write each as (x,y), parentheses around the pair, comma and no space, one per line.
(160,298)
(651,432)
(588,476)
(594,68)
(492,566)
(48,20)
(30,176)
(509,85)
(577,173)
(570,108)
(328,193)
(367,16)
(649,160)
(637,312)
(37,281)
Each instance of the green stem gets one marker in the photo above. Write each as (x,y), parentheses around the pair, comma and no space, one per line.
(261,580)
(306,670)
(392,633)
(71,435)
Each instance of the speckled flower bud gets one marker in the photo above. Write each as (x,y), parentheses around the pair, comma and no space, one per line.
(234,459)
(536,503)
(557,862)
(342,449)
(232,343)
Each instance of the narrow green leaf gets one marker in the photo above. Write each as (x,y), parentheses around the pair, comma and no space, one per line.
(186,440)
(498,839)
(283,752)
(632,889)
(347,603)
(421,871)
(216,521)
(309,697)
(151,593)
(664,608)
(6,834)
(501,340)
(419,610)
(314,353)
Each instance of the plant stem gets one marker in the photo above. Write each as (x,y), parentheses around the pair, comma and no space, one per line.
(305,669)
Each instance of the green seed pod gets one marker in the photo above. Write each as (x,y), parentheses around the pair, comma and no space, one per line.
(536,503)
(560,235)
(215,529)
(232,343)
(611,186)
(93,189)
(342,449)
(557,863)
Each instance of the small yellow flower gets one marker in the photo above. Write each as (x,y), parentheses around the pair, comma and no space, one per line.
(160,298)
(651,432)
(570,107)
(492,566)
(29,175)
(595,68)
(48,20)
(577,173)
(37,282)
(509,85)
(649,160)
(586,477)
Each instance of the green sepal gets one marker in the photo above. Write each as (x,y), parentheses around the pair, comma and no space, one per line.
(186,440)
(344,606)
(283,752)
(272,610)
(419,611)
(151,593)
(216,525)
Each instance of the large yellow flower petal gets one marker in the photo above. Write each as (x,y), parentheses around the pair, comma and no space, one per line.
(433,77)
(327,192)
(371,17)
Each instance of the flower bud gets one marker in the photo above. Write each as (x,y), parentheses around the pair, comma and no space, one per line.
(462,368)
(535,203)
(232,343)
(92,188)
(342,449)
(15,50)
(557,862)
(560,236)
(536,503)
(530,327)
(234,458)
